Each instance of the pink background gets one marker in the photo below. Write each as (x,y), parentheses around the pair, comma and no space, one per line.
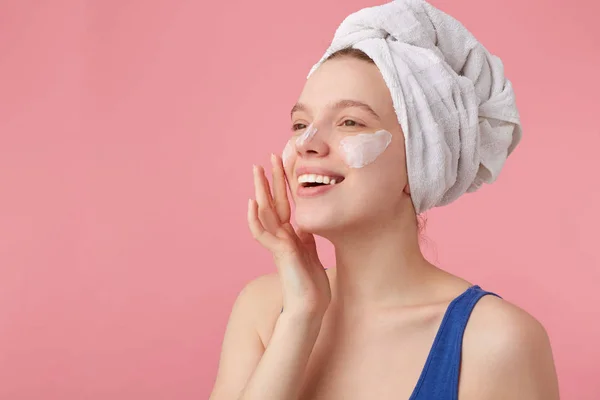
(127,134)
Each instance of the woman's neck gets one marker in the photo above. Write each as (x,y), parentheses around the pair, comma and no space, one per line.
(380,266)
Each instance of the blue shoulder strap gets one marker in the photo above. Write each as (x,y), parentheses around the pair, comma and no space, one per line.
(439,378)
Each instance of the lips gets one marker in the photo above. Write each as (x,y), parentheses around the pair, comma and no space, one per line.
(313,181)
(312,191)
(319,171)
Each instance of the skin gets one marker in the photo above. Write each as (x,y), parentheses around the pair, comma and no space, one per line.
(362,329)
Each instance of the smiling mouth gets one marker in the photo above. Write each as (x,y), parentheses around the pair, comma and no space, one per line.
(313,180)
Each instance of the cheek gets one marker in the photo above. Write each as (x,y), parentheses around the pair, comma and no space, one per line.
(287,157)
(288,152)
(361,150)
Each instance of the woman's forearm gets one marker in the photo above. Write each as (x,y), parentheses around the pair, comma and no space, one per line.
(280,372)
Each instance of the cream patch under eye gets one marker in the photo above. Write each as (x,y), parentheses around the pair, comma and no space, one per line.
(362,149)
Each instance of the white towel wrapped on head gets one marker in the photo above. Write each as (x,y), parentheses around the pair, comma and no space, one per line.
(455,106)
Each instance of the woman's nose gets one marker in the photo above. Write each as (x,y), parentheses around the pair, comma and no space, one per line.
(312,142)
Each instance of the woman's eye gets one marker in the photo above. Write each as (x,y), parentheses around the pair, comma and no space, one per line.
(297,127)
(350,122)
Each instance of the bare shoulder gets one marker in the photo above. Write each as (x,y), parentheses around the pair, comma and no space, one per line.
(263,298)
(506,354)
(498,319)
(243,345)
(262,295)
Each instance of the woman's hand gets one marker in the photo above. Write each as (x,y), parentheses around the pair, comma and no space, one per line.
(304,281)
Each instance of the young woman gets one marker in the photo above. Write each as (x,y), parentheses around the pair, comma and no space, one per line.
(363,163)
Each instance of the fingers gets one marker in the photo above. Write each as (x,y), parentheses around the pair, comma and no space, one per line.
(266,212)
(259,233)
(261,187)
(280,197)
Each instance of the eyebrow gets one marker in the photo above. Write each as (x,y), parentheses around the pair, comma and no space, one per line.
(338,105)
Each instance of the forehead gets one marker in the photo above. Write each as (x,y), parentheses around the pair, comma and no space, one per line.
(347,78)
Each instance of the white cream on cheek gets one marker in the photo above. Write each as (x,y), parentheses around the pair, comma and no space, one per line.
(291,145)
(364,148)
(288,151)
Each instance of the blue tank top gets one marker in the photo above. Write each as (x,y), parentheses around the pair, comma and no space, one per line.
(439,377)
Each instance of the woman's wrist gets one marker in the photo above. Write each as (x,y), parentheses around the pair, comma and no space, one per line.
(307,323)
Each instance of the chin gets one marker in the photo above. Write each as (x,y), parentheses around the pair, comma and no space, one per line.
(318,222)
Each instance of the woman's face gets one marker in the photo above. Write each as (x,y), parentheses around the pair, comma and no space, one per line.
(347,102)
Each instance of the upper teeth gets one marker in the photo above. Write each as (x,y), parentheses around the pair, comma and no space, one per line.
(313,178)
